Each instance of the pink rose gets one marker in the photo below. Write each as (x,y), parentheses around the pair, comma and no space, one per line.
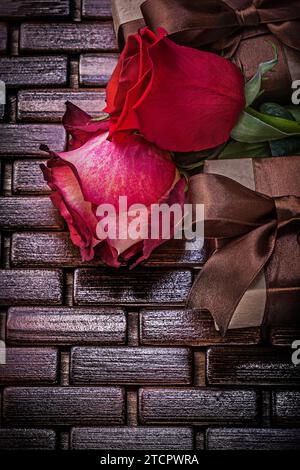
(97,171)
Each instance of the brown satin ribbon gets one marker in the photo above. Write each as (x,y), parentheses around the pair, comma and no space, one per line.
(125,29)
(221,24)
(250,222)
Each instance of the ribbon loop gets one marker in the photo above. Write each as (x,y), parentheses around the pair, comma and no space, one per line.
(219,24)
(248,16)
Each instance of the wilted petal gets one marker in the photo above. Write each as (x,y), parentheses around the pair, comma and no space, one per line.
(77,212)
(81,126)
(107,254)
(131,167)
(176,196)
(118,253)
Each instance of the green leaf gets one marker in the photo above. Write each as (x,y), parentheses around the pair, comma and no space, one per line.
(283,147)
(102,118)
(243,150)
(253,86)
(250,130)
(289,145)
(274,109)
(190,167)
(254,126)
(285,125)
(295,111)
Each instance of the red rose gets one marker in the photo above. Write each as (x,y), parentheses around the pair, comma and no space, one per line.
(97,171)
(177,97)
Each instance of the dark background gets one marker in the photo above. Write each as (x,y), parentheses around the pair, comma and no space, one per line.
(101,358)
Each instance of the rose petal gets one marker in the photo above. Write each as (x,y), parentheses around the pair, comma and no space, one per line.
(132,167)
(134,62)
(107,254)
(194,99)
(182,99)
(68,199)
(116,253)
(176,196)
(81,126)
(125,73)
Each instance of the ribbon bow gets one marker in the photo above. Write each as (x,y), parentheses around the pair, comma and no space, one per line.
(220,24)
(250,222)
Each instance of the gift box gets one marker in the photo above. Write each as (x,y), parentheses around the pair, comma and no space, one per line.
(252,214)
(244,31)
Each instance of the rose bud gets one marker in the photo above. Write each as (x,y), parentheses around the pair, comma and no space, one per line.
(97,172)
(179,98)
